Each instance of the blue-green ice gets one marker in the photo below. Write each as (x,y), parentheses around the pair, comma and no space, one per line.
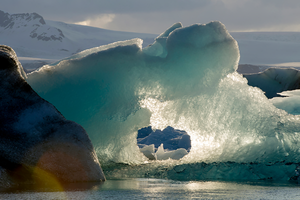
(187,79)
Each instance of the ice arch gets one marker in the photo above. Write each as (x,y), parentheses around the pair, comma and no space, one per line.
(109,90)
(187,81)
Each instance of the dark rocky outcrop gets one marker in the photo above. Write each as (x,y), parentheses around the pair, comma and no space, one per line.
(36,142)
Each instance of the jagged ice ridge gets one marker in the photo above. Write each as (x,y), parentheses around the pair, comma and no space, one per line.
(187,79)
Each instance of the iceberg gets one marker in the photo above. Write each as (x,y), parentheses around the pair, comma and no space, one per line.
(288,101)
(187,80)
(275,80)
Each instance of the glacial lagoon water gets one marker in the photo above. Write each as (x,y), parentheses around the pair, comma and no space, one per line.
(160,189)
(236,132)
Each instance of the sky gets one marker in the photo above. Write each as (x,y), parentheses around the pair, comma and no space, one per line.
(155,16)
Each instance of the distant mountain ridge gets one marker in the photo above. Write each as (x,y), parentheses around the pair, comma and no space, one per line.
(32,24)
(8,21)
(43,41)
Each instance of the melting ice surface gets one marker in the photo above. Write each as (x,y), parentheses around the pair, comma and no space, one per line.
(187,79)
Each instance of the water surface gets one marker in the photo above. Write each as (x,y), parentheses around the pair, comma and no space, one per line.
(160,189)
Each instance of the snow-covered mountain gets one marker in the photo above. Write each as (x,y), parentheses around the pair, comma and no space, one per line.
(38,41)
(29,35)
(31,24)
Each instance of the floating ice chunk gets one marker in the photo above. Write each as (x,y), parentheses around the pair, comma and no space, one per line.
(149,151)
(178,154)
(291,93)
(171,138)
(176,142)
(290,102)
(161,154)
(275,80)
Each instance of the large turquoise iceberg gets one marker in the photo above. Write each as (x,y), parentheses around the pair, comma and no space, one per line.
(187,79)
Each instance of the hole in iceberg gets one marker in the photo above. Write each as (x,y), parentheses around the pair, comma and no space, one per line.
(163,144)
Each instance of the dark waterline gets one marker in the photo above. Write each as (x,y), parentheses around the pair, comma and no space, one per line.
(159,189)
